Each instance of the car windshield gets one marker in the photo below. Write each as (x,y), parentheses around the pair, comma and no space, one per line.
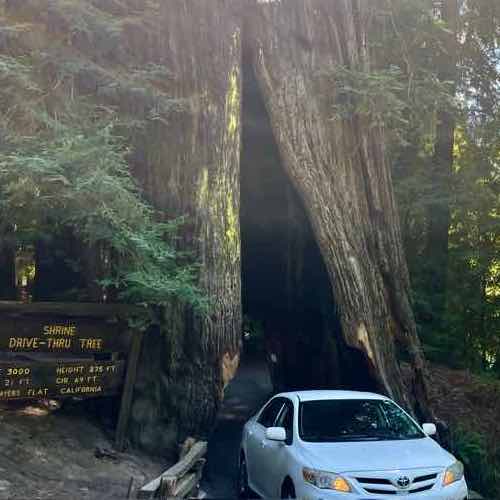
(355,420)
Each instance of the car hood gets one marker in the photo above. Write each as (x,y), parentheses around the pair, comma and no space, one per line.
(375,455)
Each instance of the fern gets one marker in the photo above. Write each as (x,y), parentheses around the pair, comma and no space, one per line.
(75,175)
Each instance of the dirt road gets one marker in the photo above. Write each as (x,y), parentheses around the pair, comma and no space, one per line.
(246,393)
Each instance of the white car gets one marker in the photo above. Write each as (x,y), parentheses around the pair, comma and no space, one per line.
(344,445)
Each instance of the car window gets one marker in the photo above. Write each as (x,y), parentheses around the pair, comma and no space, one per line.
(285,420)
(355,420)
(270,412)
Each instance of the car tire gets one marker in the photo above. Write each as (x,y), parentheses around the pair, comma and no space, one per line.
(242,485)
(288,490)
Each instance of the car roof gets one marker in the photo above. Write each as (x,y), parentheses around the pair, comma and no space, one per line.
(331,394)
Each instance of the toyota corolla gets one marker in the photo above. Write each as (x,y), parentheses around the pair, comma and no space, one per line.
(344,445)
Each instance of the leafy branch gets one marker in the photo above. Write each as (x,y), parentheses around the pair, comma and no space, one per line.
(74,174)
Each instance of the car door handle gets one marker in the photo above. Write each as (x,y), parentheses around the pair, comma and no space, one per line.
(262,444)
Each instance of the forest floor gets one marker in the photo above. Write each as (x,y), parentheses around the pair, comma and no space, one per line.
(52,455)
(463,399)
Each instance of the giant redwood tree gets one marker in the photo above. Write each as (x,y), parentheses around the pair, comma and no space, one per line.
(177,67)
(339,169)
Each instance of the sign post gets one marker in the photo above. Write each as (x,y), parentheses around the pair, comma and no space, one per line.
(128,391)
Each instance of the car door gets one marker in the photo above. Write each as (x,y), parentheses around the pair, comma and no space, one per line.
(256,442)
(274,455)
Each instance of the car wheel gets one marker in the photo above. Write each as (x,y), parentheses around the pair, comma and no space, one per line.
(288,490)
(243,489)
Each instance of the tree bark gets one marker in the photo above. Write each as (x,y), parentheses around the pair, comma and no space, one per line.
(7,268)
(339,169)
(192,169)
(436,251)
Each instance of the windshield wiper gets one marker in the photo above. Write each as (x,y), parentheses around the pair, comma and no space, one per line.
(347,437)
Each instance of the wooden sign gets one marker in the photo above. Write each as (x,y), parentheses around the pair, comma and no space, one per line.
(59,335)
(55,334)
(59,379)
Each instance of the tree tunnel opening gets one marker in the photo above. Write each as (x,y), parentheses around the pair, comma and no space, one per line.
(290,314)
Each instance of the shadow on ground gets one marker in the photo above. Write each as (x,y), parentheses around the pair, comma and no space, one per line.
(245,394)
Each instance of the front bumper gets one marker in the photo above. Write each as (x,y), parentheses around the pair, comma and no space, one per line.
(457,491)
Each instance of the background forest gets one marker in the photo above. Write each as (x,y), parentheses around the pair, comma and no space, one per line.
(436,91)
(439,77)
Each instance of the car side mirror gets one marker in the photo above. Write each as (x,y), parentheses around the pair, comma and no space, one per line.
(429,429)
(276,434)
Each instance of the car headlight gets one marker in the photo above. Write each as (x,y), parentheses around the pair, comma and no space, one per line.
(326,480)
(453,473)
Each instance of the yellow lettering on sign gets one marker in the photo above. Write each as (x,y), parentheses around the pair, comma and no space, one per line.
(22,343)
(81,390)
(63,330)
(69,370)
(18,371)
(33,393)
(59,343)
(9,393)
(91,344)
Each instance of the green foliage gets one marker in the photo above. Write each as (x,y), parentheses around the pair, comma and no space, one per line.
(374,95)
(482,467)
(73,174)
(385,98)
(17,71)
(406,91)
(154,73)
(79,179)
(473,314)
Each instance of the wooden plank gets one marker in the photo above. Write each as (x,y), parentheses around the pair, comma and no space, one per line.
(71,309)
(198,470)
(59,379)
(197,451)
(154,487)
(185,486)
(149,489)
(194,459)
(128,390)
(61,335)
(190,483)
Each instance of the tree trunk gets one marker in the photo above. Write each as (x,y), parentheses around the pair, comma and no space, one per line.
(7,268)
(436,251)
(192,168)
(340,171)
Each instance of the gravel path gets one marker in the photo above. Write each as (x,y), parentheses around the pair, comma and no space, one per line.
(244,395)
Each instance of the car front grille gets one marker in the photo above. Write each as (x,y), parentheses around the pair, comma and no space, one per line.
(389,486)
